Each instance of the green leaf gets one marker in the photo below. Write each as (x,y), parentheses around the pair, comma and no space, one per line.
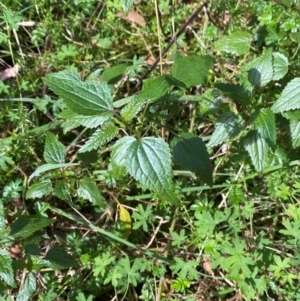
(227,127)
(102,263)
(185,269)
(153,90)
(238,260)
(260,70)
(88,157)
(112,75)
(257,148)
(25,226)
(4,160)
(236,43)
(289,98)
(280,65)
(29,288)
(55,151)
(62,191)
(6,270)
(295,132)
(38,190)
(59,259)
(47,167)
(237,93)
(292,115)
(191,70)
(190,152)
(102,136)
(126,5)
(74,120)
(148,161)
(86,98)
(88,190)
(264,123)
(142,217)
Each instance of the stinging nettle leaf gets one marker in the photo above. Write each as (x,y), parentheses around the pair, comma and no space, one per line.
(86,98)
(236,43)
(227,127)
(280,65)
(25,226)
(289,98)
(126,5)
(192,70)
(257,148)
(6,270)
(74,120)
(190,152)
(59,259)
(55,151)
(88,190)
(62,191)
(295,132)
(153,90)
(264,122)
(101,137)
(38,190)
(148,161)
(260,70)
(237,93)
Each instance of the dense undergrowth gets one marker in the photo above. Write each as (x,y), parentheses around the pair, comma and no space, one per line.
(122,178)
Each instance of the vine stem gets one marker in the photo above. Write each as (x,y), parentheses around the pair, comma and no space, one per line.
(172,41)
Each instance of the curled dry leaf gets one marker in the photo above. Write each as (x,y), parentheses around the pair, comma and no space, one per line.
(9,72)
(132,16)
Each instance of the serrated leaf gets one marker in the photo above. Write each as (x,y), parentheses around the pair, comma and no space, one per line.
(125,220)
(280,65)
(62,191)
(101,137)
(148,161)
(88,157)
(210,102)
(236,43)
(190,152)
(88,190)
(153,90)
(264,123)
(25,226)
(131,110)
(237,93)
(227,127)
(257,148)
(114,74)
(47,167)
(55,151)
(59,259)
(86,98)
(29,288)
(295,132)
(38,190)
(192,70)
(6,270)
(126,5)
(295,36)
(292,115)
(289,98)
(260,70)
(74,120)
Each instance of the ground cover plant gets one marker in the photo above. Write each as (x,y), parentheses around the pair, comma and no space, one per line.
(149,150)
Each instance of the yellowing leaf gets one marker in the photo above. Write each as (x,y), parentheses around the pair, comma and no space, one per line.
(125,221)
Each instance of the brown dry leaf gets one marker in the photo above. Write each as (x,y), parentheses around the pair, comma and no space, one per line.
(9,72)
(132,16)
